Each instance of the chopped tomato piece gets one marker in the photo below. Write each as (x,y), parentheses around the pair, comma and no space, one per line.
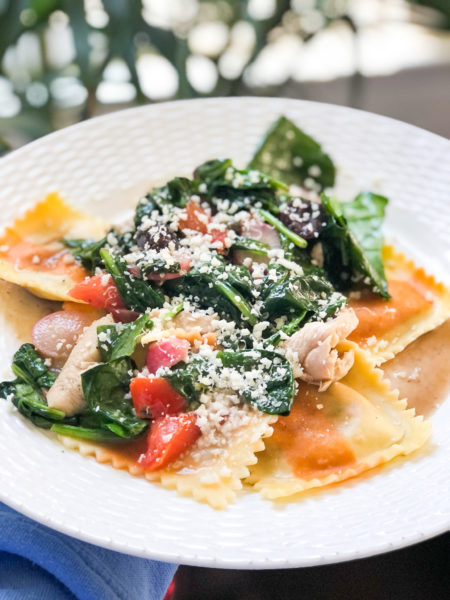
(168,438)
(99,291)
(219,236)
(166,353)
(195,218)
(154,397)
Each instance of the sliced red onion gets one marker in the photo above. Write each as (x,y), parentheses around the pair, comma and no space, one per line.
(262,232)
(166,353)
(55,334)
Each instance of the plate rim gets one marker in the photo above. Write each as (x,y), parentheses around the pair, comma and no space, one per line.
(342,556)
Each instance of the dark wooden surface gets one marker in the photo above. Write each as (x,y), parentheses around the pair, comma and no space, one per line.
(420,572)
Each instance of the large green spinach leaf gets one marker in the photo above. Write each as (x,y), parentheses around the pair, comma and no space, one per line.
(290,155)
(26,390)
(353,240)
(106,391)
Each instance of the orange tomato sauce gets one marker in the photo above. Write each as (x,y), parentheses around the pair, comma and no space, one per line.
(308,440)
(56,259)
(377,316)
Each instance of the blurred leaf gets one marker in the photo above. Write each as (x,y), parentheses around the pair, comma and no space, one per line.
(442,6)
(4,147)
(10,24)
(44,8)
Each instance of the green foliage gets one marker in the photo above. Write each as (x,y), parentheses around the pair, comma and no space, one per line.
(250,245)
(352,241)
(128,31)
(279,392)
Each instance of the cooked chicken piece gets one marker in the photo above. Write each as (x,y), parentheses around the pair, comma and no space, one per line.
(314,348)
(66,393)
(187,320)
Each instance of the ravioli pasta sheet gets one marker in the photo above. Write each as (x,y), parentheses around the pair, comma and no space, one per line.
(418,304)
(207,474)
(31,252)
(331,436)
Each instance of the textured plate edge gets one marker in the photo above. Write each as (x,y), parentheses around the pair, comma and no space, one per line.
(332,558)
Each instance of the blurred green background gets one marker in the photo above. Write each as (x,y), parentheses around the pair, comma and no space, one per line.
(62,61)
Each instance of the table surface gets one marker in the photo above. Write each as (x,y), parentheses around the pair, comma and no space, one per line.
(420,572)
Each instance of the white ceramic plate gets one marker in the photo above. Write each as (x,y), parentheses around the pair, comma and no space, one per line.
(103,166)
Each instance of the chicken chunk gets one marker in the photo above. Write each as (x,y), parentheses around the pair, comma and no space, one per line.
(314,348)
(66,393)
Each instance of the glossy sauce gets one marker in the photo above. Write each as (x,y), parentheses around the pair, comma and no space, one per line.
(421,372)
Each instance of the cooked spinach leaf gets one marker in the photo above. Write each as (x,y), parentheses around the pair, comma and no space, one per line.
(157,266)
(86,251)
(136,293)
(286,330)
(175,192)
(227,288)
(250,245)
(220,180)
(25,391)
(29,366)
(106,391)
(86,433)
(290,155)
(119,339)
(353,240)
(281,228)
(282,294)
(184,378)
(301,256)
(278,391)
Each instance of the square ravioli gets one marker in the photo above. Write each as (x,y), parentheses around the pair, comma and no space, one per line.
(418,304)
(209,472)
(355,425)
(32,254)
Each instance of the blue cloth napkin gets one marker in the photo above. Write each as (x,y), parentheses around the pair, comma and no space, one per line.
(37,563)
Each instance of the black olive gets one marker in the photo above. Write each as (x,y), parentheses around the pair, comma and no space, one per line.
(303,217)
(156,237)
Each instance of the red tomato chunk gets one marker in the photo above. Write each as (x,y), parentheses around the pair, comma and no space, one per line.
(99,291)
(154,397)
(168,438)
